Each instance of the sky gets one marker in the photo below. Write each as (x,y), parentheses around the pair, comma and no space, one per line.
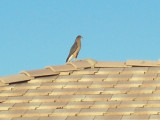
(38,33)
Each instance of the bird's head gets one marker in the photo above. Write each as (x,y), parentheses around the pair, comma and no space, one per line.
(79,37)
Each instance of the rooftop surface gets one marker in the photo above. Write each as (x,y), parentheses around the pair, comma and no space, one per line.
(83,90)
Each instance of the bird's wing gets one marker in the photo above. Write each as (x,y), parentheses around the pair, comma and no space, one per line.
(72,50)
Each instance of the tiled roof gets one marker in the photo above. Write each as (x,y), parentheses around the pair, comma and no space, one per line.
(83,90)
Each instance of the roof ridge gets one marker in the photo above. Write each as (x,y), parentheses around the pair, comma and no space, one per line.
(74,66)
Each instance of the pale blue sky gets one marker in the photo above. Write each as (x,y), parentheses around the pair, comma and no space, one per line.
(38,33)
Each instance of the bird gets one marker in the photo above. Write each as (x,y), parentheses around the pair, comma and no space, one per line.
(74,49)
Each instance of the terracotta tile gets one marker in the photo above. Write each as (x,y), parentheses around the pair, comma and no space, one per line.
(60,68)
(86,71)
(69,98)
(43,79)
(89,91)
(24,86)
(69,78)
(39,72)
(19,99)
(109,70)
(75,105)
(146,111)
(52,105)
(25,106)
(118,77)
(9,87)
(151,83)
(103,84)
(53,118)
(99,97)
(53,85)
(26,118)
(106,104)
(38,113)
(6,106)
(132,104)
(13,93)
(124,97)
(65,73)
(93,77)
(153,70)
(44,99)
(153,103)
(119,111)
(3,84)
(135,117)
(38,92)
(149,96)
(145,77)
(157,90)
(158,77)
(2,99)
(128,84)
(134,70)
(141,63)
(108,117)
(80,118)
(78,84)
(7,118)
(64,91)
(154,117)
(143,90)
(115,91)
(65,112)
(1,91)
(14,78)
(102,64)
(92,111)
(80,64)
(11,114)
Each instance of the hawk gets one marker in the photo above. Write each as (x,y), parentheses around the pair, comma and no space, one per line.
(74,49)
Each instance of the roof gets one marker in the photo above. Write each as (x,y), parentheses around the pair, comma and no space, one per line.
(83,90)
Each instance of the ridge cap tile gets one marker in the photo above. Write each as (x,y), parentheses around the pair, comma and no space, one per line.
(110,64)
(39,72)
(61,68)
(142,63)
(92,62)
(80,64)
(14,78)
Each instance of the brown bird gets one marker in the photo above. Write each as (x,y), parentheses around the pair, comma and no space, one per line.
(74,49)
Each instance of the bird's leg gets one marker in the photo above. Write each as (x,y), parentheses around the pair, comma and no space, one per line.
(75,59)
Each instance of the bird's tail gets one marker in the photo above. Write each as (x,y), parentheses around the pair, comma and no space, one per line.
(67,59)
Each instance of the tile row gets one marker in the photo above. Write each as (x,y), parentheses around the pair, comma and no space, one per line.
(80,112)
(80,104)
